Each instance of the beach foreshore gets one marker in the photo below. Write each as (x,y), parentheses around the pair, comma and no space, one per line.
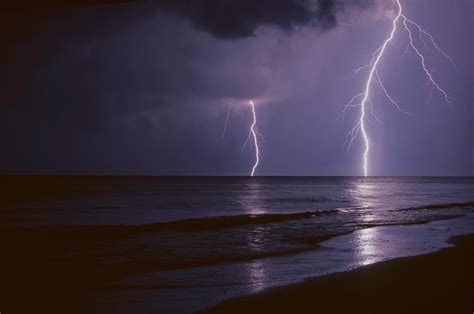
(440,282)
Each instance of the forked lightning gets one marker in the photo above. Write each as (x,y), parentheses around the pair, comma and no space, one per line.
(374,79)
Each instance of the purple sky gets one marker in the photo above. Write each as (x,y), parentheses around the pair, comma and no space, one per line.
(144,89)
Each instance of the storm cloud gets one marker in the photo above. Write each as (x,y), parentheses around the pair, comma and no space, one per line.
(223,19)
(232,19)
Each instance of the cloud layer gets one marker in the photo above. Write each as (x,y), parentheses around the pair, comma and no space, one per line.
(233,19)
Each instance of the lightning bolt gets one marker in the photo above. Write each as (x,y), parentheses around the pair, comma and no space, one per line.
(374,77)
(253,132)
(226,122)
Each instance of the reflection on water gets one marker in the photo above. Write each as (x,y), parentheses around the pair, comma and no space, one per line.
(252,197)
(365,247)
(364,193)
(147,200)
(256,269)
(257,275)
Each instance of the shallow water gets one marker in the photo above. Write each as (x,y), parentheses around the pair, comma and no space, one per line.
(190,290)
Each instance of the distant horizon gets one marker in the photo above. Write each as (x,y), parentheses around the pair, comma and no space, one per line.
(223,176)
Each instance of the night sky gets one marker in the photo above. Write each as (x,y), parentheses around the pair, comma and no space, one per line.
(143,88)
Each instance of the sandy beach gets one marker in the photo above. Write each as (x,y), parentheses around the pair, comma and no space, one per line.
(441,282)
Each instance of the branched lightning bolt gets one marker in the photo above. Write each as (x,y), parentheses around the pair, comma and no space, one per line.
(253,133)
(374,77)
(423,64)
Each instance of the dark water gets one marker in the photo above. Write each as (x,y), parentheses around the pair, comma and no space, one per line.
(179,222)
(124,226)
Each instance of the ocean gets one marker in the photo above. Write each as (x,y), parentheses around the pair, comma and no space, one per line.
(180,244)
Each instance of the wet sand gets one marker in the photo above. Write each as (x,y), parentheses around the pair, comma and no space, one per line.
(441,282)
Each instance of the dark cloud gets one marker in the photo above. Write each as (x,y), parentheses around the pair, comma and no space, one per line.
(232,19)
(132,88)
(224,19)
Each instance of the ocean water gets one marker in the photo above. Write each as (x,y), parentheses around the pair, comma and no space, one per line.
(161,237)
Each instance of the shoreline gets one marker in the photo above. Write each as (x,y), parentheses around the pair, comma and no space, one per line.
(83,290)
(439,282)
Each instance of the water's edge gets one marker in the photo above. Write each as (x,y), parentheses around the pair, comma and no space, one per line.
(200,288)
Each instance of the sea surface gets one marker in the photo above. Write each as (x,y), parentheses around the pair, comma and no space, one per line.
(179,244)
